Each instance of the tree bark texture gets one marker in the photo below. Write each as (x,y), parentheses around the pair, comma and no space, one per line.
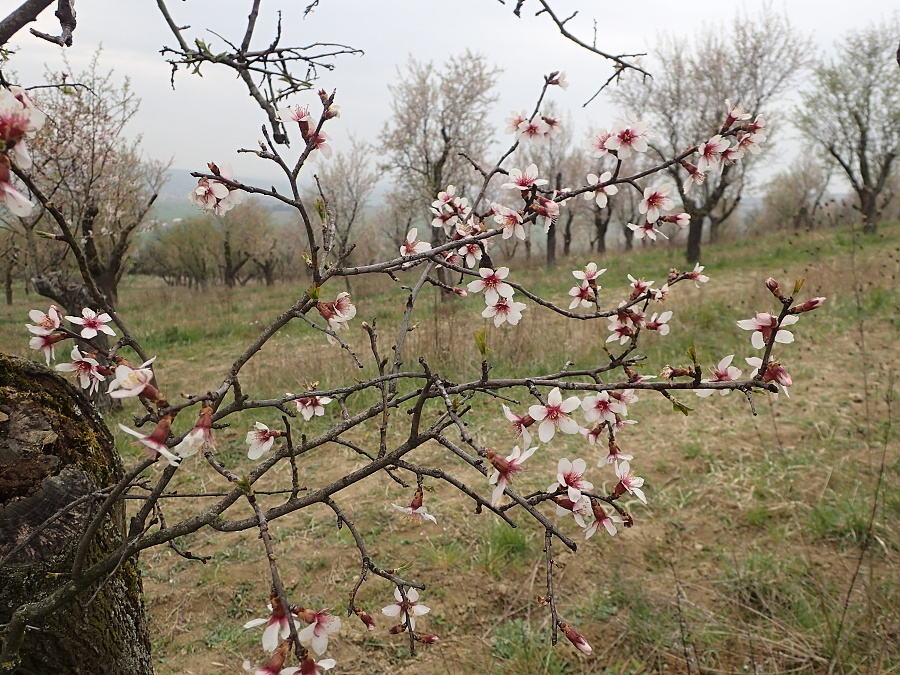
(54,449)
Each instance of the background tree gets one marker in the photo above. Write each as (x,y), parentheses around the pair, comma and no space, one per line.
(437,115)
(348,180)
(794,197)
(751,63)
(854,103)
(96,177)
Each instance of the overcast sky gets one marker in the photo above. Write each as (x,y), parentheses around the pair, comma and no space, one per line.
(207,119)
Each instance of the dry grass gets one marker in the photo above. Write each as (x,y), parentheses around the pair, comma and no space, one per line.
(741,563)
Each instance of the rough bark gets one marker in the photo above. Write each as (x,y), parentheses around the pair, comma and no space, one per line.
(54,450)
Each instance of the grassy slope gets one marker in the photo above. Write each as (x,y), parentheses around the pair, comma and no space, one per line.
(742,561)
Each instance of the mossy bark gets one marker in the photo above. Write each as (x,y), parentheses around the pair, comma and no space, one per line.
(54,450)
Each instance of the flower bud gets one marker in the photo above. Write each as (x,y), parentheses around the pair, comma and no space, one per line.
(427,639)
(774,288)
(809,305)
(396,630)
(366,618)
(575,638)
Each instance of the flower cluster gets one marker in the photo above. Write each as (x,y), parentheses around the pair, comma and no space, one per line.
(215,196)
(19,121)
(538,129)
(498,296)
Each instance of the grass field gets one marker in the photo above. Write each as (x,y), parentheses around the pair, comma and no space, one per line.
(770,544)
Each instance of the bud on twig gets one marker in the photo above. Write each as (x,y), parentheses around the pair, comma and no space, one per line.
(575,638)
(808,306)
(774,288)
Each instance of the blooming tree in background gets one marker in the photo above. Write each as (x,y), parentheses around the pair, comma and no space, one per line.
(595,405)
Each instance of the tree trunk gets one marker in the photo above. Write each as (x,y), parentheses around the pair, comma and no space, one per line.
(868,206)
(695,233)
(53,450)
(629,237)
(551,245)
(7,284)
(601,223)
(567,233)
(714,229)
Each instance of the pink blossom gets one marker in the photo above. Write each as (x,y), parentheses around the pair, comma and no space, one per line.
(734,114)
(535,130)
(337,313)
(513,122)
(200,437)
(554,125)
(520,424)
(319,142)
(19,119)
(472,252)
(85,367)
(505,469)
(581,295)
(46,323)
(660,294)
(296,114)
(647,229)
(659,322)
(310,406)
(559,79)
(554,415)
(11,198)
(215,196)
(156,441)
(590,273)
(580,508)
(695,176)
(621,330)
(546,209)
(723,372)
(596,142)
(593,434)
(524,180)
(504,310)
(412,246)
(757,127)
(309,666)
(681,220)
(750,143)
(628,482)
(570,476)
(45,343)
(321,625)
(492,284)
(445,197)
(656,200)
(710,154)
(510,220)
(407,610)
(628,137)
(602,408)
(129,382)
(260,439)
(639,286)
(615,453)
(775,372)
(764,324)
(416,511)
(92,323)
(277,626)
(600,192)
(602,518)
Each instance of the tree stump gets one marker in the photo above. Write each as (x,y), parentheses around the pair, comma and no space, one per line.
(55,449)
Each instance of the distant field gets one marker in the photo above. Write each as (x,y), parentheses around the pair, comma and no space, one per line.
(755,555)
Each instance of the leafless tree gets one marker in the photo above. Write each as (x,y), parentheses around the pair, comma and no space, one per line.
(852,113)
(751,63)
